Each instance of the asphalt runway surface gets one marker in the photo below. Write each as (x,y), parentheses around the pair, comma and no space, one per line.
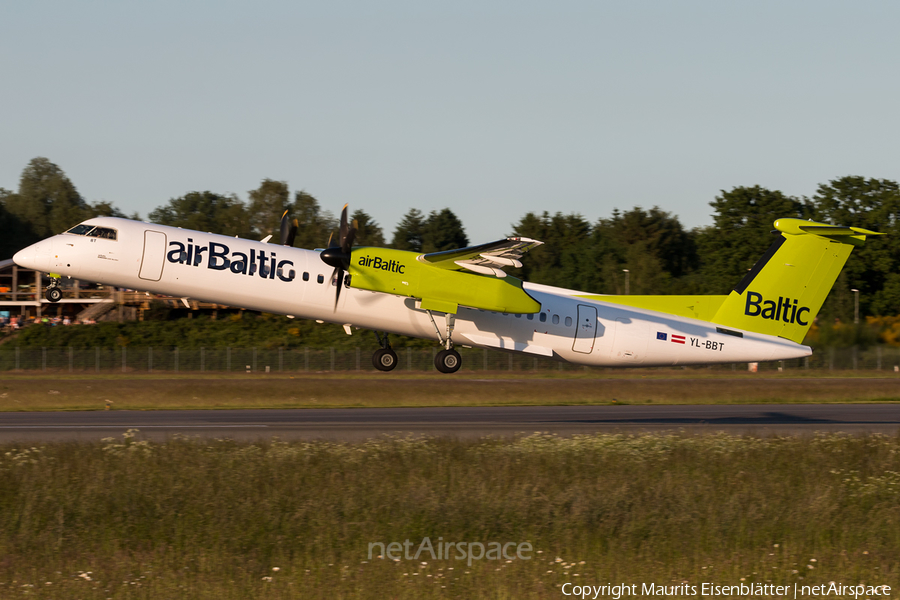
(363,423)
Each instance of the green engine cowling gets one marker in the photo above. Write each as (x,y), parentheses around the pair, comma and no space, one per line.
(399,272)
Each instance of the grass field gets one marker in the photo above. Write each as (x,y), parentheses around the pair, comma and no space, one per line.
(194,519)
(28,392)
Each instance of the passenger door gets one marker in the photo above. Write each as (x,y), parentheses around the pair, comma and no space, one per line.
(585,329)
(154,255)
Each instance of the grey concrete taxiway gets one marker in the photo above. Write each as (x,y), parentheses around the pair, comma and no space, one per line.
(356,424)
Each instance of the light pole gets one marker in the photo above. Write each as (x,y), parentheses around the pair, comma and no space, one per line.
(855,307)
(627,273)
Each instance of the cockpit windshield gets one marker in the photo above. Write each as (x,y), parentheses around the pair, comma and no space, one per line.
(93,231)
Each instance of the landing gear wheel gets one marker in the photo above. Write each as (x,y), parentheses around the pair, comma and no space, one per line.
(384,359)
(448,361)
(54,294)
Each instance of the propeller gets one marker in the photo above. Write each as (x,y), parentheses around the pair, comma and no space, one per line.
(337,254)
(288,230)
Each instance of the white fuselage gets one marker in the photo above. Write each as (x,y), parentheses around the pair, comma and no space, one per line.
(147,257)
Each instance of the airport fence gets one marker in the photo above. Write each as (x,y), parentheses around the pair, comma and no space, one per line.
(130,359)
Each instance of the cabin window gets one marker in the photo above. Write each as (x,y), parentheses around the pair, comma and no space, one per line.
(305,276)
(543,317)
(320,278)
(568,321)
(518,316)
(530,316)
(556,319)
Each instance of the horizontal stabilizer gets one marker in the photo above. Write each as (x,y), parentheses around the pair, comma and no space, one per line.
(800,227)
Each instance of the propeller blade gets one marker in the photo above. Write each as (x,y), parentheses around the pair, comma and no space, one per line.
(339,282)
(338,252)
(287,239)
(342,232)
(292,233)
(347,244)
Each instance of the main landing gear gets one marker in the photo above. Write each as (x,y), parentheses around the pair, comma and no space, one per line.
(447,360)
(384,359)
(54,293)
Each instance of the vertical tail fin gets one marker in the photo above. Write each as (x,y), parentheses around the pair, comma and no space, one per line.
(785,289)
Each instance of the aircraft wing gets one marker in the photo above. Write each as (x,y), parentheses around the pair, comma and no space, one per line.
(485,259)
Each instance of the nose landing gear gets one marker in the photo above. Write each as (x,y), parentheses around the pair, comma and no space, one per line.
(54,294)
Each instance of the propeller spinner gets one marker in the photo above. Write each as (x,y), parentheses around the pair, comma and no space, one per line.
(337,254)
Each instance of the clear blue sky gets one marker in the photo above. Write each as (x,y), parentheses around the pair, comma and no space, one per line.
(490,108)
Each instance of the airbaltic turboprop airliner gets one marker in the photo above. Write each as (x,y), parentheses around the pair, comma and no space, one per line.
(463,296)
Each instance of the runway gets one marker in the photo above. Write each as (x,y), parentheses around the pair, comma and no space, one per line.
(357,424)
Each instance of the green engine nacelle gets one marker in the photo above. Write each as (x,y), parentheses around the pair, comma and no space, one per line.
(399,272)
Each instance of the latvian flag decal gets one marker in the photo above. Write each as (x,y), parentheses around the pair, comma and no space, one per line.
(678,339)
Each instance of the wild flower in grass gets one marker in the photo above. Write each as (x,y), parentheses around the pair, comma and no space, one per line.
(276,569)
(25,456)
(128,446)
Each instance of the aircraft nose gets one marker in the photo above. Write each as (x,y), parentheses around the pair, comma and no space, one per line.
(35,256)
(23,257)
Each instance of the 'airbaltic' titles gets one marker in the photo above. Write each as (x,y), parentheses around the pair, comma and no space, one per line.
(258,263)
(767,309)
(385,265)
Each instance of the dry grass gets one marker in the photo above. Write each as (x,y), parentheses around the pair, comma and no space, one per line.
(199,519)
(146,392)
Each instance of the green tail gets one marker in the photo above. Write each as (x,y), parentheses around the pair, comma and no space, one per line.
(783,292)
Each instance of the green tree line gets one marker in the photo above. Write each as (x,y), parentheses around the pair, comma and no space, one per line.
(648,247)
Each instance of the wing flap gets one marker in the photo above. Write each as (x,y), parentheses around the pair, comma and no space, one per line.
(485,259)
